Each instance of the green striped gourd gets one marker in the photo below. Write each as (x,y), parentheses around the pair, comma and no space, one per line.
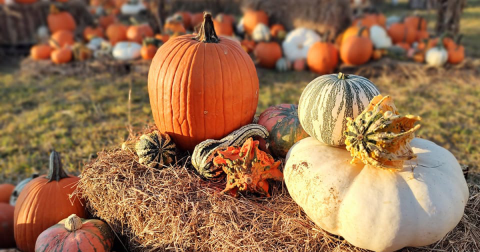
(328,100)
(203,154)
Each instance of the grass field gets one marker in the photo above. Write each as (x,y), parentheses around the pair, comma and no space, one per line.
(81,116)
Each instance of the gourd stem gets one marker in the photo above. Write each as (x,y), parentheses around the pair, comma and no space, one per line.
(55,170)
(207,32)
(420,21)
(342,76)
(73,223)
(459,39)
(440,40)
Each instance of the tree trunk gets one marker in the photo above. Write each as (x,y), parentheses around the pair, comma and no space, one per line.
(449,15)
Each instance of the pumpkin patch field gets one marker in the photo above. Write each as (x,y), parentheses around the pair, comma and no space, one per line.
(238,126)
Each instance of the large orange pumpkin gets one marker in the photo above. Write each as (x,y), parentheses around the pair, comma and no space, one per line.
(322,57)
(60,20)
(5,192)
(43,202)
(62,38)
(116,33)
(356,50)
(252,18)
(76,234)
(267,53)
(202,87)
(6,226)
(223,26)
(136,33)
(40,52)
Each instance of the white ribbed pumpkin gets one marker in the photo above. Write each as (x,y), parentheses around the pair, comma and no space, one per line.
(126,50)
(298,42)
(374,208)
(436,56)
(261,33)
(379,37)
(328,100)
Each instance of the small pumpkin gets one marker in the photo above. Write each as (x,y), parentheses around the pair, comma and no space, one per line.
(299,65)
(267,54)
(328,100)
(7,240)
(456,54)
(106,20)
(223,25)
(91,32)
(298,42)
(33,211)
(162,37)
(353,31)
(60,20)
(126,51)
(61,55)
(204,152)
(278,31)
(356,50)
(261,33)
(116,33)
(283,65)
(62,38)
(81,52)
(322,57)
(248,45)
(19,187)
(416,23)
(186,19)
(40,52)
(437,56)
(76,234)
(137,33)
(284,129)
(5,192)
(155,149)
(377,54)
(174,25)
(252,18)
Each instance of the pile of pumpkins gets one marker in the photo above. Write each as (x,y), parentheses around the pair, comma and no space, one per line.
(39,215)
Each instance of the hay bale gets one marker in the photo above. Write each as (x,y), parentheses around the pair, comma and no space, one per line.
(173,209)
(320,15)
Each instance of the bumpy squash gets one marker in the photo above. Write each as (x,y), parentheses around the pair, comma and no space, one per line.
(155,149)
(328,100)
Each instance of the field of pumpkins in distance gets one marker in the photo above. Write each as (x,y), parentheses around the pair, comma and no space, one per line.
(242,134)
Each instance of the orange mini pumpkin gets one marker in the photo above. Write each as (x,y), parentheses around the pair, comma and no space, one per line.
(248,45)
(62,38)
(162,37)
(5,192)
(136,33)
(186,18)
(400,32)
(43,202)
(267,54)
(60,20)
(276,29)
(202,87)
(456,53)
(40,52)
(356,50)
(252,18)
(90,32)
(322,57)
(61,55)
(116,33)
(174,26)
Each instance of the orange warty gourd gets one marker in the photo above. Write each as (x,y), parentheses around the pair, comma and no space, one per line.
(322,58)
(400,32)
(116,33)
(90,32)
(60,20)
(196,19)
(252,18)
(136,33)
(41,52)
(43,202)
(5,192)
(223,26)
(62,38)
(267,54)
(356,50)
(186,18)
(7,239)
(202,87)
(106,21)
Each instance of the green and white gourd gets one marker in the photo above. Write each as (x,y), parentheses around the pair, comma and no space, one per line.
(18,189)
(203,153)
(438,55)
(328,100)
(261,33)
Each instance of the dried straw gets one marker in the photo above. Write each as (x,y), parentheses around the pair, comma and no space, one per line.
(173,209)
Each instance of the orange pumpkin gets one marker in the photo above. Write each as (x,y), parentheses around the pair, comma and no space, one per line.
(356,50)
(421,35)
(136,33)
(174,26)
(116,33)
(448,43)
(62,38)
(186,18)
(419,57)
(456,53)
(381,20)
(322,57)
(368,20)
(43,202)
(90,32)
(353,31)
(40,52)
(204,103)
(76,234)
(377,54)
(61,55)
(299,65)
(196,19)
(162,37)
(60,20)
(252,18)
(148,51)
(400,32)
(248,45)
(416,23)
(223,25)
(7,240)
(106,21)
(275,29)
(5,192)
(267,54)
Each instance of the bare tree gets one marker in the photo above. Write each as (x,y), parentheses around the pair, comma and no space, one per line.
(449,15)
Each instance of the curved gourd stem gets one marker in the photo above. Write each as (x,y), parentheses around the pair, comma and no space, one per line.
(342,76)
(206,33)
(55,170)
(361,31)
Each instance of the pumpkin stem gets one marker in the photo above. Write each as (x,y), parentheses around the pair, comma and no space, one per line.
(440,40)
(73,223)
(459,39)
(420,21)
(55,170)
(342,76)
(361,31)
(207,33)
(54,9)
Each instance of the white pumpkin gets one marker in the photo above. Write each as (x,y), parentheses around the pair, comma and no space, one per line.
(261,33)
(126,50)
(95,43)
(298,42)
(379,37)
(132,7)
(283,65)
(328,100)
(436,56)
(373,208)
(240,27)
